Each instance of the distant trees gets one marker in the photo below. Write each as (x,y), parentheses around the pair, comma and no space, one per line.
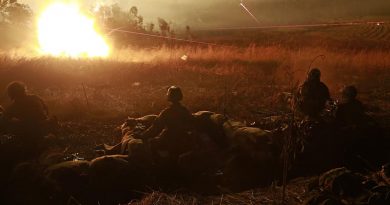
(114,17)
(164,26)
(15,23)
(12,12)
(150,27)
(188,33)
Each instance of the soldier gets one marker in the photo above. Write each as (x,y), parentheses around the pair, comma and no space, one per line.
(313,95)
(26,122)
(27,118)
(169,135)
(27,114)
(350,112)
(361,136)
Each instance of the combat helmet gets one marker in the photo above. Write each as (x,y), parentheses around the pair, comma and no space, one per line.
(349,92)
(314,74)
(16,90)
(174,94)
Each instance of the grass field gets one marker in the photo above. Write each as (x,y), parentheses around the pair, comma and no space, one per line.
(238,78)
(361,36)
(235,80)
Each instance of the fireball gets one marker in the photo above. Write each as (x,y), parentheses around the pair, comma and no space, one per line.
(63,30)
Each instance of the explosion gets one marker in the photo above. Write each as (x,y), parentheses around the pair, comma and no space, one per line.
(64,31)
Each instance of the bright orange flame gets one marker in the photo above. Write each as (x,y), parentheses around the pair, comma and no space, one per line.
(64,31)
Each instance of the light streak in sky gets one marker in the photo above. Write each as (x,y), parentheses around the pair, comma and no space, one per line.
(160,36)
(249,12)
(110,31)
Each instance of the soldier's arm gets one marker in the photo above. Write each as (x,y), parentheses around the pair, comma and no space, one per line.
(9,113)
(326,92)
(364,107)
(190,118)
(44,106)
(338,114)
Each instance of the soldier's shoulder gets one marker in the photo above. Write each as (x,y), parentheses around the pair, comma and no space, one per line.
(304,84)
(165,111)
(184,108)
(341,106)
(323,85)
(358,104)
(34,99)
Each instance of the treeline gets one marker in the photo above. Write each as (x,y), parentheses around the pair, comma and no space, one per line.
(114,17)
(116,21)
(13,12)
(16,24)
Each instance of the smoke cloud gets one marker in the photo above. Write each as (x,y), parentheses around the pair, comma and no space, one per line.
(221,13)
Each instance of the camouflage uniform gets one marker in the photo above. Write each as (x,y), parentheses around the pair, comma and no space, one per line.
(313,95)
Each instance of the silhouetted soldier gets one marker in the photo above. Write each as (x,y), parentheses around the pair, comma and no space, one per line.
(313,95)
(169,135)
(27,119)
(350,112)
(27,114)
(361,136)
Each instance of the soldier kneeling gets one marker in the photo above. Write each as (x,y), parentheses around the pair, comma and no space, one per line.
(27,118)
(169,135)
(313,95)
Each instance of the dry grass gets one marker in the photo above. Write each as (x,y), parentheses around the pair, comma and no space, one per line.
(296,192)
(234,80)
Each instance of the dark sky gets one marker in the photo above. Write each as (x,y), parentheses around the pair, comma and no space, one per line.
(221,13)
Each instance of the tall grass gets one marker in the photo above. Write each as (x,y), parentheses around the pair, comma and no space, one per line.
(234,80)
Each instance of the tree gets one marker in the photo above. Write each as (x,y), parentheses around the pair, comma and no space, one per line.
(133,12)
(164,26)
(134,19)
(103,13)
(114,17)
(15,13)
(15,21)
(188,34)
(151,27)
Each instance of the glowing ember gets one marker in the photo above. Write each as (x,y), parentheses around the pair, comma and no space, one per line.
(64,31)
